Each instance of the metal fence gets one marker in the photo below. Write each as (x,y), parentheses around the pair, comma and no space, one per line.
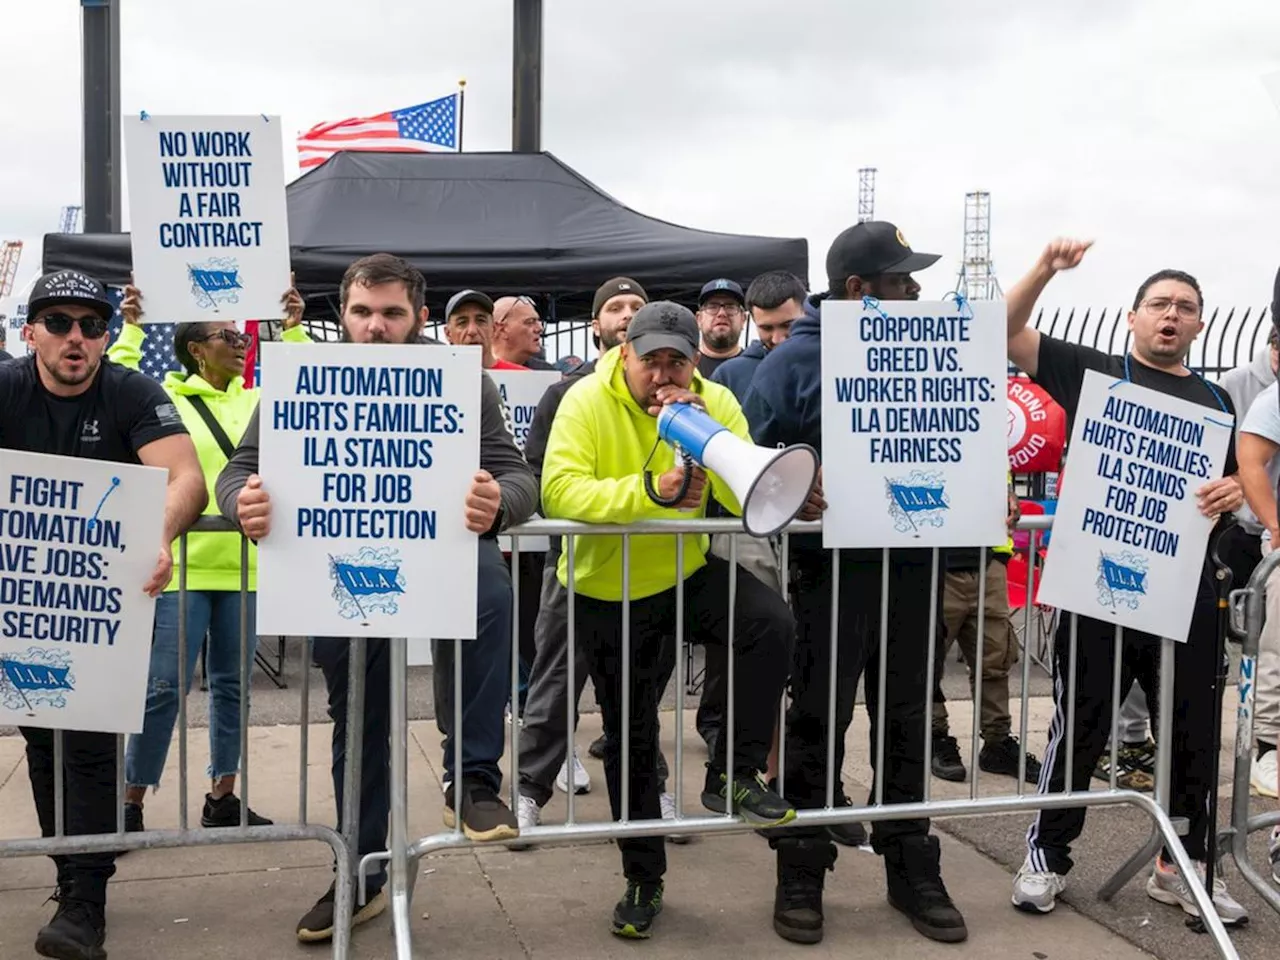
(1230,337)
(404,851)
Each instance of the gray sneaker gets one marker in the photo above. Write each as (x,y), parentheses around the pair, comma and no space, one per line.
(1166,885)
(1037,891)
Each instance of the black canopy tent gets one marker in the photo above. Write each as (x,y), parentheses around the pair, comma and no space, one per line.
(504,223)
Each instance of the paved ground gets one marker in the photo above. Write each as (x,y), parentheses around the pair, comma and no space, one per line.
(244,901)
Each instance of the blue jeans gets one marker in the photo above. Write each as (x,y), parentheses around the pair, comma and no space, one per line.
(218,614)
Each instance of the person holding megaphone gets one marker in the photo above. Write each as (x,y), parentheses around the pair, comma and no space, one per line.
(606,463)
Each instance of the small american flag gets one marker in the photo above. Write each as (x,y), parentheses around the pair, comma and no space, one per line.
(157,350)
(411,130)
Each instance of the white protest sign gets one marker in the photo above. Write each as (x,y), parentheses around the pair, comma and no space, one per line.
(208,223)
(1128,539)
(521,391)
(78,539)
(914,422)
(368,451)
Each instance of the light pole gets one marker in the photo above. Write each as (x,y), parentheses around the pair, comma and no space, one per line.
(103,163)
(526,77)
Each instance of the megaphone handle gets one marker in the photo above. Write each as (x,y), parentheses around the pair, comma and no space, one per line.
(686,461)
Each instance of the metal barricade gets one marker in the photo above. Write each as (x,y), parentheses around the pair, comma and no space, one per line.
(341,842)
(404,854)
(1248,614)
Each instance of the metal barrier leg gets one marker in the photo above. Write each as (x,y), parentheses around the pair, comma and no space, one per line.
(401,881)
(344,891)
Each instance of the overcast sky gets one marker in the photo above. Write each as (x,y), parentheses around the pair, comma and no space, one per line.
(1142,123)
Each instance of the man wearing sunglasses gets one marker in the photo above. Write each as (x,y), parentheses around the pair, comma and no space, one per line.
(63,399)
(517,333)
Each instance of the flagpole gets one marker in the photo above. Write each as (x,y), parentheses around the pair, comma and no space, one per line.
(462,107)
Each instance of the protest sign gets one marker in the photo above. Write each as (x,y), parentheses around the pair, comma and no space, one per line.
(208,223)
(78,540)
(914,423)
(1128,539)
(367,452)
(1037,428)
(521,391)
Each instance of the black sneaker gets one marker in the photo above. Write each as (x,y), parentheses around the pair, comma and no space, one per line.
(317,925)
(803,863)
(1139,756)
(484,816)
(752,799)
(911,867)
(133,818)
(1002,757)
(947,764)
(76,932)
(596,750)
(633,916)
(847,834)
(225,812)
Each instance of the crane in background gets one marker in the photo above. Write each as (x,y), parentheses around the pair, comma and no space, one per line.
(69,219)
(10,254)
(977,280)
(866,194)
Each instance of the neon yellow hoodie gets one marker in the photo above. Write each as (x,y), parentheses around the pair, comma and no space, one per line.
(213,559)
(594,472)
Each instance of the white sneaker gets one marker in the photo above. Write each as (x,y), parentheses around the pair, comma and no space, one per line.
(1263,775)
(1166,885)
(668,803)
(1274,849)
(1037,891)
(528,814)
(581,779)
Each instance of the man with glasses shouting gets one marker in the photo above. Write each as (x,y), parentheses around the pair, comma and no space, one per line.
(1166,318)
(62,399)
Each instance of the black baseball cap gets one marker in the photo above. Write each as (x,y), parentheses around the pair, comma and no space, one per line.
(69,286)
(722,286)
(663,325)
(467,296)
(872,248)
(615,288)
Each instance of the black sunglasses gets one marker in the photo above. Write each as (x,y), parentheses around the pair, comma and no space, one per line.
(230,337)
(59,324)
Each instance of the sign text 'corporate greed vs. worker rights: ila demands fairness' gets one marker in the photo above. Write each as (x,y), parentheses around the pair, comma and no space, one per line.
(914,423)
(78,540)
(1128,536)
(209,224)
(367,452)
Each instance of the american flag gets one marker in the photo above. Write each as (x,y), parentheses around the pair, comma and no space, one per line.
(413,129)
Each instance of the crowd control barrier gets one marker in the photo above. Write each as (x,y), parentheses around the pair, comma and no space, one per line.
(1248,612)
(404,853)
(342,842)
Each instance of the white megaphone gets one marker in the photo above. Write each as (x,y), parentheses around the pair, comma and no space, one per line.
(772,485)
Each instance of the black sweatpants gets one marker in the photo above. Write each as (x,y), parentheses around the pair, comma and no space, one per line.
(763,628)
(1195,666)
(858,646)
(89,802)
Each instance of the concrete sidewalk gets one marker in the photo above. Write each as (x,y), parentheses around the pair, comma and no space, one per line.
(244,901)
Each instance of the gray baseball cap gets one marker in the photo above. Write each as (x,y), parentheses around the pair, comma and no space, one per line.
(663,325)
(467,296)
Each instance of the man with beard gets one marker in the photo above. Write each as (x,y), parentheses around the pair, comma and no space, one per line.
(721,316)
(775,301)
(784,406)
(1166,318)
(383,301)
(62,399)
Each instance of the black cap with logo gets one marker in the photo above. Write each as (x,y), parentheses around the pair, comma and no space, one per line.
(69,286)
(663,325)
(872,248)
(615,288)
(726,287)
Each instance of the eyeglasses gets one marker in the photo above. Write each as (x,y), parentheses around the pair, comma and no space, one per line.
(527,301)
(232,338)
(732,309)
(59,324)
(1187,309)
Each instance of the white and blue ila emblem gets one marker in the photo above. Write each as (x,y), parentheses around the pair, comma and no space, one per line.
(917,500)
(367,582)
(37,677)
(215,281)
(1122,580)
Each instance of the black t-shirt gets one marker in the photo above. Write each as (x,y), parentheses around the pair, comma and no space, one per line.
(119,414)
(707,365)
(1061,367)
